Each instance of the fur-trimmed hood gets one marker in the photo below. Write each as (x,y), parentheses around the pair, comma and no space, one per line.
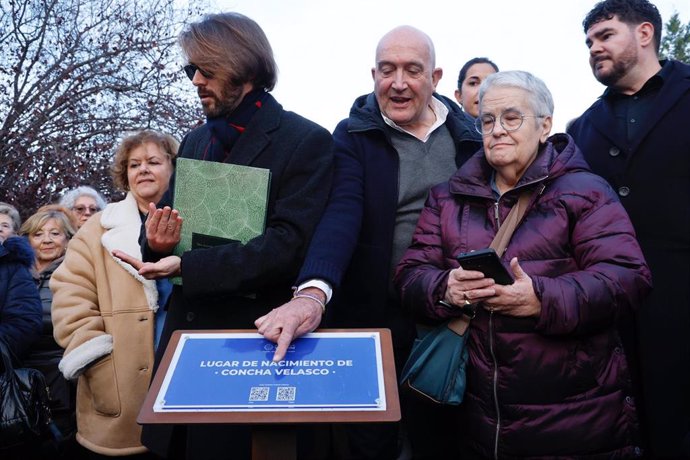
(17,249)
(20,305)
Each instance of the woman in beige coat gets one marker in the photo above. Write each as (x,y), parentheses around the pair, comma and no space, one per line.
(104,312)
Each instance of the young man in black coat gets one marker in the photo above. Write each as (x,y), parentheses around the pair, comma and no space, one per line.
(636,137)
(231,64)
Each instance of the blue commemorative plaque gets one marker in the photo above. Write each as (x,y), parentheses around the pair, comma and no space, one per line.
(235,372)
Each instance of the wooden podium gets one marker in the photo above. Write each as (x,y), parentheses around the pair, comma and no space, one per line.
(273,429)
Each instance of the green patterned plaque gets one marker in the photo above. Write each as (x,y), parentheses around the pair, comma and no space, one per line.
(219,201)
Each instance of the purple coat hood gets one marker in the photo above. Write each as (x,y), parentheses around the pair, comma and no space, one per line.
(556,385)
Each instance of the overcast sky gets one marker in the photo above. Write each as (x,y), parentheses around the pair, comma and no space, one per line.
(325,49)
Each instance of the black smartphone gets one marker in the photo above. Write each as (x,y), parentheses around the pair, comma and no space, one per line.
(487,262)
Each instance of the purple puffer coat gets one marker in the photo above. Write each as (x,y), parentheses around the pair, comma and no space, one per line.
(556,385)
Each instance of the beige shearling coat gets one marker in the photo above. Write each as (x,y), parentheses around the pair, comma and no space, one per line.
(103,315)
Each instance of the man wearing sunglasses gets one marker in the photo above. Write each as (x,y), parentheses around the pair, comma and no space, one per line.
(231,65)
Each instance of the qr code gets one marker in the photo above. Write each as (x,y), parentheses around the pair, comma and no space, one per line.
(286,393)
(259,394)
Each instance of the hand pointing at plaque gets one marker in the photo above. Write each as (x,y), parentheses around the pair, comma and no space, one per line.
(292,320)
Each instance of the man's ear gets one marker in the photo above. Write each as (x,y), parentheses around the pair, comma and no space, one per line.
(436,76)
(458,96)
(645,34)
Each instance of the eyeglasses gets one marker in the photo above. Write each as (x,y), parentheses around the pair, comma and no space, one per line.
(191,69)
(81,210)
(510,120)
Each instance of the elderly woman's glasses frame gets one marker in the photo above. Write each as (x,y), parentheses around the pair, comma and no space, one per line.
(81,210)
(190,70)
(510,120)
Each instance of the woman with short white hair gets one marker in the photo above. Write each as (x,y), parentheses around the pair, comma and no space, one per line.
(547,375)
(84,202)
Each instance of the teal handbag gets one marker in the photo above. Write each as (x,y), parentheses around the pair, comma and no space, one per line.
(436,366)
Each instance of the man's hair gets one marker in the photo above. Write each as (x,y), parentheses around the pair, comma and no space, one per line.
(233,47)
(478,60)
(71,196)
(11,211)
(118,170)
(540,99)
(630,12)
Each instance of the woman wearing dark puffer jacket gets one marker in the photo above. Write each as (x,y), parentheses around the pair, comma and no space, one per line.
(546,375)
(20,305)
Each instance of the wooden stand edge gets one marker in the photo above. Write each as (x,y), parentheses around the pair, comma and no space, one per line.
(390,414)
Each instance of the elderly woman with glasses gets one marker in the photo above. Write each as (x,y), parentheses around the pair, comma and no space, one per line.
(546,374)
(84,202)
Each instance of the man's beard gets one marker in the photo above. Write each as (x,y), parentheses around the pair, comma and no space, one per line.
(229,99)
(620,68)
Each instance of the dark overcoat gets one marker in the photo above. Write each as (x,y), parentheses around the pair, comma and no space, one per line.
(230,286)
(361,217)
(652,177)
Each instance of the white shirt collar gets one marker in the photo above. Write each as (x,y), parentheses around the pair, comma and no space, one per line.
(439,109)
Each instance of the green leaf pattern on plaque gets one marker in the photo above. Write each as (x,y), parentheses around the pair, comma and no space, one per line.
(220,199)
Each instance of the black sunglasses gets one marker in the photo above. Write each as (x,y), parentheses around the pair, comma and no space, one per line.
(190,70)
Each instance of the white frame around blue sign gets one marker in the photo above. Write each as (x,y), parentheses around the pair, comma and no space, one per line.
(372,400)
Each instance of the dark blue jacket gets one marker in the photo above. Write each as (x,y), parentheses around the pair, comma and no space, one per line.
(353,243)
(20,305)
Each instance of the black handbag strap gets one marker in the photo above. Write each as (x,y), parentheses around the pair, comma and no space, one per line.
(500,242)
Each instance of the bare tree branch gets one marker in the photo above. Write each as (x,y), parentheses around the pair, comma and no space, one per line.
(75,75)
